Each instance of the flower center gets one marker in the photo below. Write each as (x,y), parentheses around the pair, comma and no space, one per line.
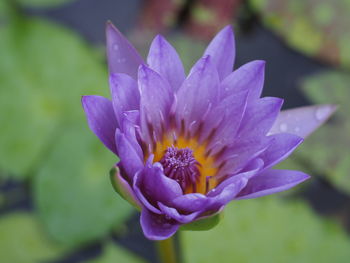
(180,165)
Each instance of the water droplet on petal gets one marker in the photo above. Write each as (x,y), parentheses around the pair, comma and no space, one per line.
(115,47)
(321,113)
(121,60)
(283,127)
(297,129)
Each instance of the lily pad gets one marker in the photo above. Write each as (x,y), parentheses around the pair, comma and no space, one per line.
(72,190)
(114,253)
(268,230)
(318,28)
(44,70)
(22,240)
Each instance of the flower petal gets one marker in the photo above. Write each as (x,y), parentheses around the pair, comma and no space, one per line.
(250,77)
(130,160)
(125,94)
(157,227)
(174,214)
(190,202)
(198,93)
(101,119)
(282,146)
(223,52)
(156,100)
(270,182)
(260,116)
(122,56)
(302,121)
(163,58)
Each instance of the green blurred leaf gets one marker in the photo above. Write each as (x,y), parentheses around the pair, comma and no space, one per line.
(43,3)
(44,70)
(328,150)
(73,192)
(114,253)
(22,240)
(268,230)
(324,24)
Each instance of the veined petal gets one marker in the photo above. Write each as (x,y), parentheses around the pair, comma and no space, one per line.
(198,93)
(156,100)
(259,117)
(130,159)
(122,56)
(163,58)
(270,182)
(157,227)
(101,119)
(125,94)
(250,77)
(222,50)
(302,121)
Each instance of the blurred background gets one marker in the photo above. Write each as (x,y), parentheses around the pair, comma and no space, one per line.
(56,201)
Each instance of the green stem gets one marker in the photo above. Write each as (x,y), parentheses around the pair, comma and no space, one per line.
(167,251)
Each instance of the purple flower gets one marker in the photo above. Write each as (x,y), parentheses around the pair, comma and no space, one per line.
(188,145)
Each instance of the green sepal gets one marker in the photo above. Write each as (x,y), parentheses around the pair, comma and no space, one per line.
(122,187)
(203,224)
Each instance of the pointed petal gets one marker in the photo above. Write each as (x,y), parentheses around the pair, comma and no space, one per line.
(282,146)
(156,100)
(270,182)
(101,119)
(164,59)
(222,50)
(130,159)
(260,116)
(122,56)
(125,94)
(198,93)
(302,121)
(250,77)
(157,227)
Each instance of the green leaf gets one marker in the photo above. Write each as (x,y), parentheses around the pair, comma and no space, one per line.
(114,253)
(203,224)
(73,192)
(22,240)
(42,3)
(44,70)
(268,230)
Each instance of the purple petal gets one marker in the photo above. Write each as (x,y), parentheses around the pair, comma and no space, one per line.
(198,94)
(156,100)
(270,182)
(260,116)
(155,186)
(130,158)
(157,227)
(122,56)
(248,77)
(125,94)
(101,119)
(164,59)
(222,50)
(190,202)
(282,146)
(174,214)
(302,121)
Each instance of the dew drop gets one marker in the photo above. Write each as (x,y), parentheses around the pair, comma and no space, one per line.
(283,127)
(121,60)
(321,113)
(115,47)
(297,129)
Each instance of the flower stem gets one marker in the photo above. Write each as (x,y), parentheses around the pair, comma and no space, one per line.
(167,251)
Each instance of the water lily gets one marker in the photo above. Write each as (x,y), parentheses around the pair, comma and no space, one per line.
(189,145)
